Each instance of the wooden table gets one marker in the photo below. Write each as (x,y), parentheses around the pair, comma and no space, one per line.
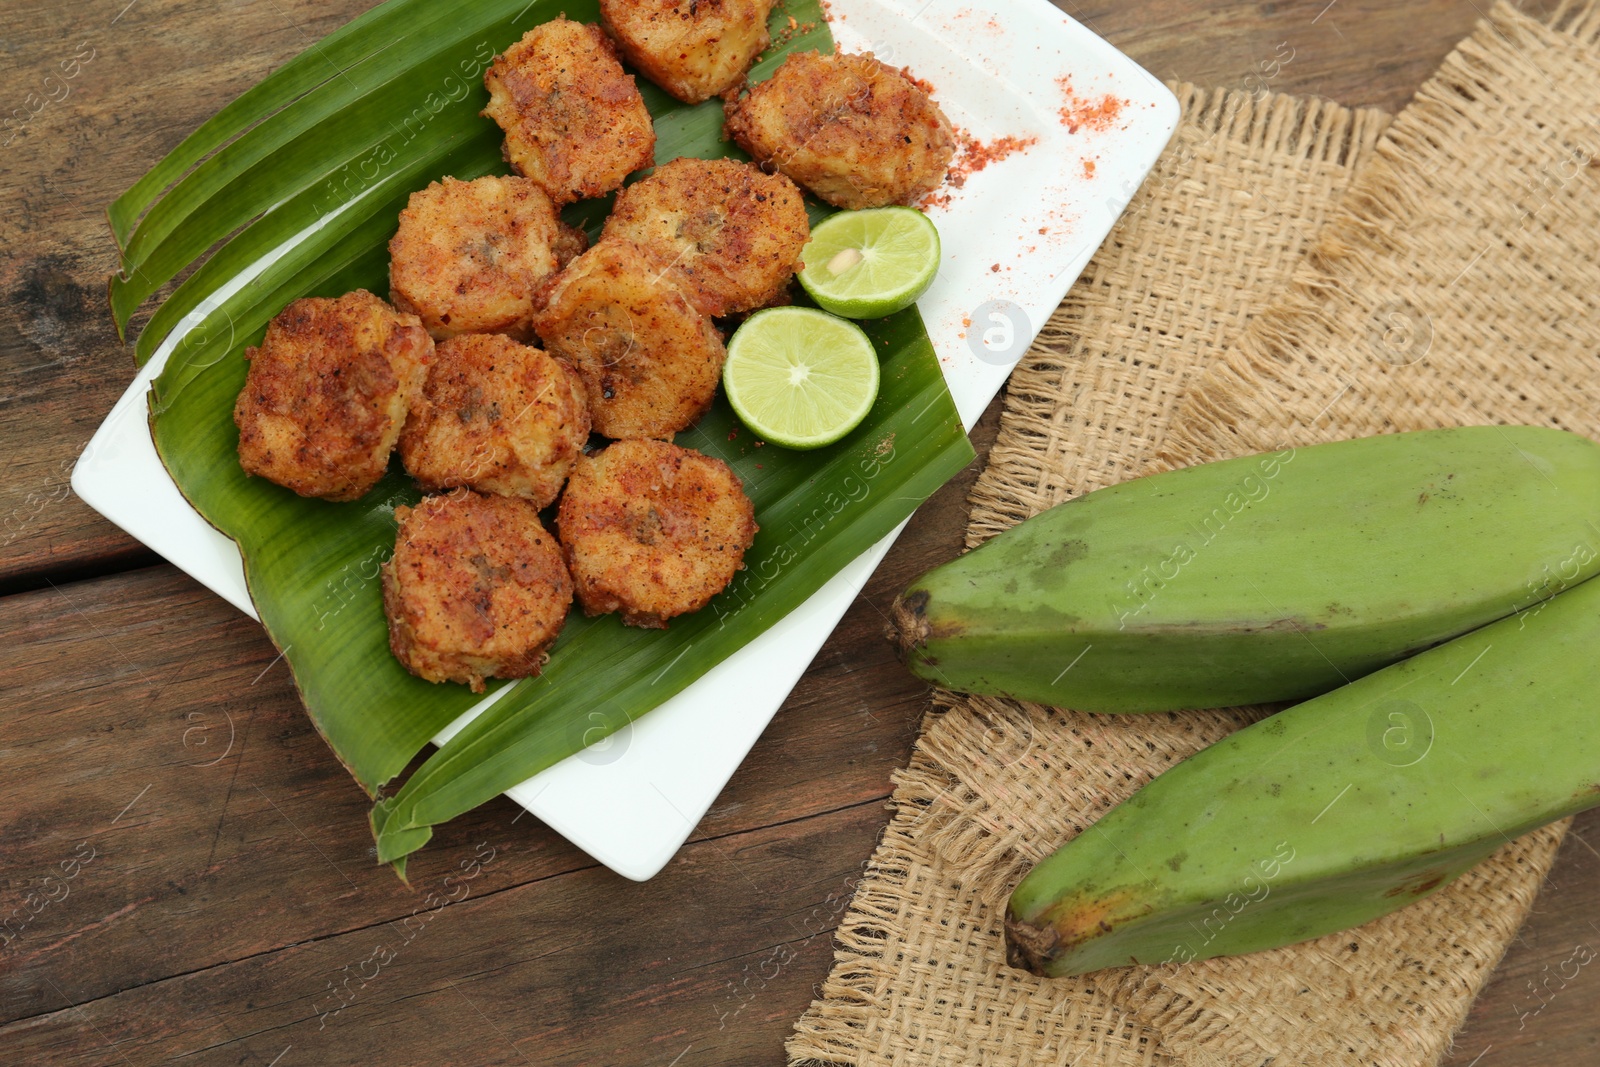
(224,904)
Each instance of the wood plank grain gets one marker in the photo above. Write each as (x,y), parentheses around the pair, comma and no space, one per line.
(1362,53)
(143,691)
(160,68)
(155,70)
(705,964)
(1540,1006)
(199,920)
(224,910)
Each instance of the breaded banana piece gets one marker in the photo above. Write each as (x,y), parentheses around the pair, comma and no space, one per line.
(729,234)
(469,256)
(327,394)
(856,132)
(574,122)
(653,530)
(498,417)
(694,49)
(476,589)
(650,362)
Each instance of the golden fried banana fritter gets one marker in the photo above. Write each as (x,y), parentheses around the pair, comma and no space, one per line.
(653,530)
(855,131)
(476,589)
(327,394)
(574,122)
(649,361)
(729,234)
(693,49)
(498,417)
(468,256)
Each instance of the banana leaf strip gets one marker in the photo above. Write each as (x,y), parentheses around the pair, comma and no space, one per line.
(315,165)
(377,29)
(818,511)
(335,150)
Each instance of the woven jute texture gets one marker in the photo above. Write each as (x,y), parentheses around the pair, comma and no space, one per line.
(1458,284)
(1292,272)
(993,786)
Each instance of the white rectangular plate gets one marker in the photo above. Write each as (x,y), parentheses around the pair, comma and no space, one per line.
(1016,236)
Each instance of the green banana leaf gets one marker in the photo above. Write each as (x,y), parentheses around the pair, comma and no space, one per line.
(315,164)
(341,152)
(818,511)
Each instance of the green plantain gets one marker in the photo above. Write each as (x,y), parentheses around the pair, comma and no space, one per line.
(1336,811)
(1268,578)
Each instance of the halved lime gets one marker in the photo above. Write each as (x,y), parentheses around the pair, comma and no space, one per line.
(868,264)
(799,377)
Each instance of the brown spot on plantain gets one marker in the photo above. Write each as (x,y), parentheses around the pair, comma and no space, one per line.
(1236,626)
(907,629)
(1418,889)
(1288,625)
(1068,552)
(1029,947)
(1069,924)
(1060,557)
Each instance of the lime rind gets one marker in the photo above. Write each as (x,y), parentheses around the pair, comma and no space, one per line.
(872,263)
(799,377)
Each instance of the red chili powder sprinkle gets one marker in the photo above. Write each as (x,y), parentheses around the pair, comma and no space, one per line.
(1088,168)
(995,269)
(1083,112)
(989,22)
(972,155)
(793,30)
(925,86)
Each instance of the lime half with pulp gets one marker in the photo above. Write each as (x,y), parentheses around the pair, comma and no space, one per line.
(799,377)
(868,264)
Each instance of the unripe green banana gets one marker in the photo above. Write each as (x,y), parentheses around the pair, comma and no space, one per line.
(1273,577)
(1337,811)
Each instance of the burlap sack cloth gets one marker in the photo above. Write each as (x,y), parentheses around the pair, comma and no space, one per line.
(1292,272)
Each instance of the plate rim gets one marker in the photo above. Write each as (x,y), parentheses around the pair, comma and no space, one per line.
(102,488)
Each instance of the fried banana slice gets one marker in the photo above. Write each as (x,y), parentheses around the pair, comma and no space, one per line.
(574,122)
(469,256)
(728,234)
(694,49)
(498,417)
(327,394)
(649,361)
(653,530)
(476,589)
(856,132)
